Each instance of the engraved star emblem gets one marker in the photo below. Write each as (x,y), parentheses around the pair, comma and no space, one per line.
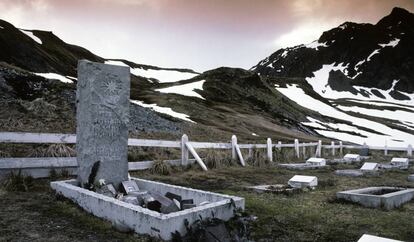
(111,87)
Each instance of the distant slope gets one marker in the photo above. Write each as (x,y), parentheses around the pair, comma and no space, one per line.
(359,73)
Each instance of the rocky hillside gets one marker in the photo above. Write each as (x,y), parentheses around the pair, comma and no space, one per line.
(359,73)
(38,84)
(374,56)
(353,83)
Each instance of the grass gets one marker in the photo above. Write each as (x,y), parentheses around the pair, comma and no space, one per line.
(28,206)
(309,216)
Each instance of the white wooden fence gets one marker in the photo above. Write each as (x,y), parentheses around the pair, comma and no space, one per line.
(187,147)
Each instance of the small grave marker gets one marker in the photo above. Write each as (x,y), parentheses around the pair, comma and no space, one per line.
(299,181)
(370,166)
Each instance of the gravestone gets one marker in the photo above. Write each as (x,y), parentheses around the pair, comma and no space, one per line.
(299,181)
(369,166)
(102,123)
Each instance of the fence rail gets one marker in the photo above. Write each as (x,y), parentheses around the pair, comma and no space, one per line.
(187,147)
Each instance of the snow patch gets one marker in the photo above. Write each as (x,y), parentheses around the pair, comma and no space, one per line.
(315,45)
(284,54)
(163,76)
(254,134)
(31,35)
(392,43)
(164,110)
(56,76)
(185,89)
(297,95)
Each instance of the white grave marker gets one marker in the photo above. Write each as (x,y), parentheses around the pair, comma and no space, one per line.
(316,161)
(299,181)
(369,166)
(352,157)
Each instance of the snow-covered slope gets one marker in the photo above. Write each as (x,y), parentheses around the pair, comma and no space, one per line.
(358,73)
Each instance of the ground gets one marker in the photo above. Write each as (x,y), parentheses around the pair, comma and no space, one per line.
(37,215)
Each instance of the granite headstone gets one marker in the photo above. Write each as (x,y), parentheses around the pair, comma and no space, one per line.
(102,123)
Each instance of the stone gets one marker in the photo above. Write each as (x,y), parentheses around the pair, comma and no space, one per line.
(371,238)
(152,223)
(204,203)
(130,199)
(140,195)
(316,161)
(411,178)
(369,166)
(173,196)
(349,172)
(188,206)
(129,186)
(107,190)
(364,152)
(217,232)
(186,201)
(102,100)
(167,205)
(299,181)
(352,157)
(400,162)
(378,197)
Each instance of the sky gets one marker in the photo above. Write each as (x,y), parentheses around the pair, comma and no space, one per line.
(196,34)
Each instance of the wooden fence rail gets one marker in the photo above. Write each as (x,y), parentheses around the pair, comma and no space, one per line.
(187,147)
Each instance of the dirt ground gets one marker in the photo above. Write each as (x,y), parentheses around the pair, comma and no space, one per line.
(37,215)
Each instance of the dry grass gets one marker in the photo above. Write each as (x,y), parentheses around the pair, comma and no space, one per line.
(60,150)
(39,107)
(160,167)
(17,181)
(53,150)
(217,158)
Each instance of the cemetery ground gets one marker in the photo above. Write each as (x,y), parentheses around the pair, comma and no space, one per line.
(38,215)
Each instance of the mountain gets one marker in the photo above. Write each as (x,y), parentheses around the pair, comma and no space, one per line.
(352,84)
(38,85)
(360,73)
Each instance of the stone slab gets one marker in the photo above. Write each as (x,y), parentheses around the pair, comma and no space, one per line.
(371,238)
(299,181)
(352,157)
(369,166)
(316,161)
(102,100)
(145,221)
(349,172)
(378,197)
(301,166)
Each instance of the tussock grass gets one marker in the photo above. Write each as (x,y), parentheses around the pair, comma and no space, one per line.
(17,181)
(160,167)
(53,150)
(217,159)
(258,158)
(60,150)
(39,107)
(4,154)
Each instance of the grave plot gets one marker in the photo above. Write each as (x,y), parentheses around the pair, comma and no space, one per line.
(296,184)
(396,163)
(378,197)
(103,186)
(369,168)
(311,163)
(371,238)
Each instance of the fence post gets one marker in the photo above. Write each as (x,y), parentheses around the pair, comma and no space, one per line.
(250,152)
(333,147)
(341,148)
(319,149)
(410,151)
(184,150)
(279,145)
(386,148)
(297,148)
(233,147)
(269,150)
(304,150)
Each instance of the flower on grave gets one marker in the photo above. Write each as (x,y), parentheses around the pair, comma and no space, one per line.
(101,182)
